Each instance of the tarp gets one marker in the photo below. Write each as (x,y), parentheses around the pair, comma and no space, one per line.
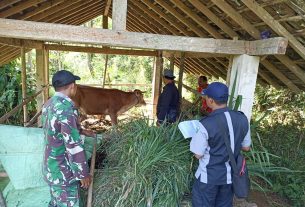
(21,154)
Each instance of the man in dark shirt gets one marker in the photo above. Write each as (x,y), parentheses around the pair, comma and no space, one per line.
(168,103)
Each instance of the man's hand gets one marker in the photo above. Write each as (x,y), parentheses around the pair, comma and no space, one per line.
(86,182)
(88,133)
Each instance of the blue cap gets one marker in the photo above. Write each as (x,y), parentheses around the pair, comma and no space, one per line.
(217,91)
(63,78)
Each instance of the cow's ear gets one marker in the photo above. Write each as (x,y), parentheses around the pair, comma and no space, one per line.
(137,92)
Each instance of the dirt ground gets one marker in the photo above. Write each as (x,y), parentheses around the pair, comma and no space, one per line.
(268,199)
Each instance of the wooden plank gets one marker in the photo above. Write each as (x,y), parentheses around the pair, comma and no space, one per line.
(74,34)
(182,60)
(275,25)
(208,13)
(21,43)
(119,14)
(197,19)
(23,84)
(109,51)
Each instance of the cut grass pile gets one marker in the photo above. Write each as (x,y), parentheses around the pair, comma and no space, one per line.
(145,166)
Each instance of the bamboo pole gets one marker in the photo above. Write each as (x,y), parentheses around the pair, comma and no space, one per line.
(32,121)
(14,110)
(92,166)
(24,88)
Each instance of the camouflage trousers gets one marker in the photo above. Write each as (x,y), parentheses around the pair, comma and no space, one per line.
(64,196)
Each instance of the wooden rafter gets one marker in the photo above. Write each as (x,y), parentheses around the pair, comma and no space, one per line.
(179,4)
(107,7)
(207,12)
(5,3)
(276,26)
(224,6)
(20,7)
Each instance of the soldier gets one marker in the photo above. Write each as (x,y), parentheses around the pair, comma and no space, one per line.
(65,164)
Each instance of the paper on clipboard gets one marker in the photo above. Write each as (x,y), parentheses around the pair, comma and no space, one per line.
(189,128)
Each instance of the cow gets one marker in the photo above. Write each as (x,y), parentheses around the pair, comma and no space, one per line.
(100,101)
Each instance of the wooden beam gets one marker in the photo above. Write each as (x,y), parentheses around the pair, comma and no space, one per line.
(21,43)
(23,85)
(109,51)
(206,11)
(74,34)
(107,7)
(119,14)
(193,54)
(275,26)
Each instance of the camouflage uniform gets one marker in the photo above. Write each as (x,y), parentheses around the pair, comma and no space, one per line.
(64,159)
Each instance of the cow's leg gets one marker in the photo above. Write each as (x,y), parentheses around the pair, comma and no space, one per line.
(114,119)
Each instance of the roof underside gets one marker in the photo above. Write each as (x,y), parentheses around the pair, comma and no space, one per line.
(220,19)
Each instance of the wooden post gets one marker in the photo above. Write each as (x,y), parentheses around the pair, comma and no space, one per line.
(156,84)
(105,70)
(105,26)
(40,78)
(244,73)
(172,62)
(119,14)
(46,73)
(24,88)
(182,60)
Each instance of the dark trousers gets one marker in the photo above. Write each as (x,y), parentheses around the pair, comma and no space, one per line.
(206,195)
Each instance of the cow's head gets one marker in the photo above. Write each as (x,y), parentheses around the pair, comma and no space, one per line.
(140,97)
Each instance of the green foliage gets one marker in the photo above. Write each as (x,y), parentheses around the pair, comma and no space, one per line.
(10,91)
(282,133)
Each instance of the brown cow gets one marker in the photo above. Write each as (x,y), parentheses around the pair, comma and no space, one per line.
(112,102)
